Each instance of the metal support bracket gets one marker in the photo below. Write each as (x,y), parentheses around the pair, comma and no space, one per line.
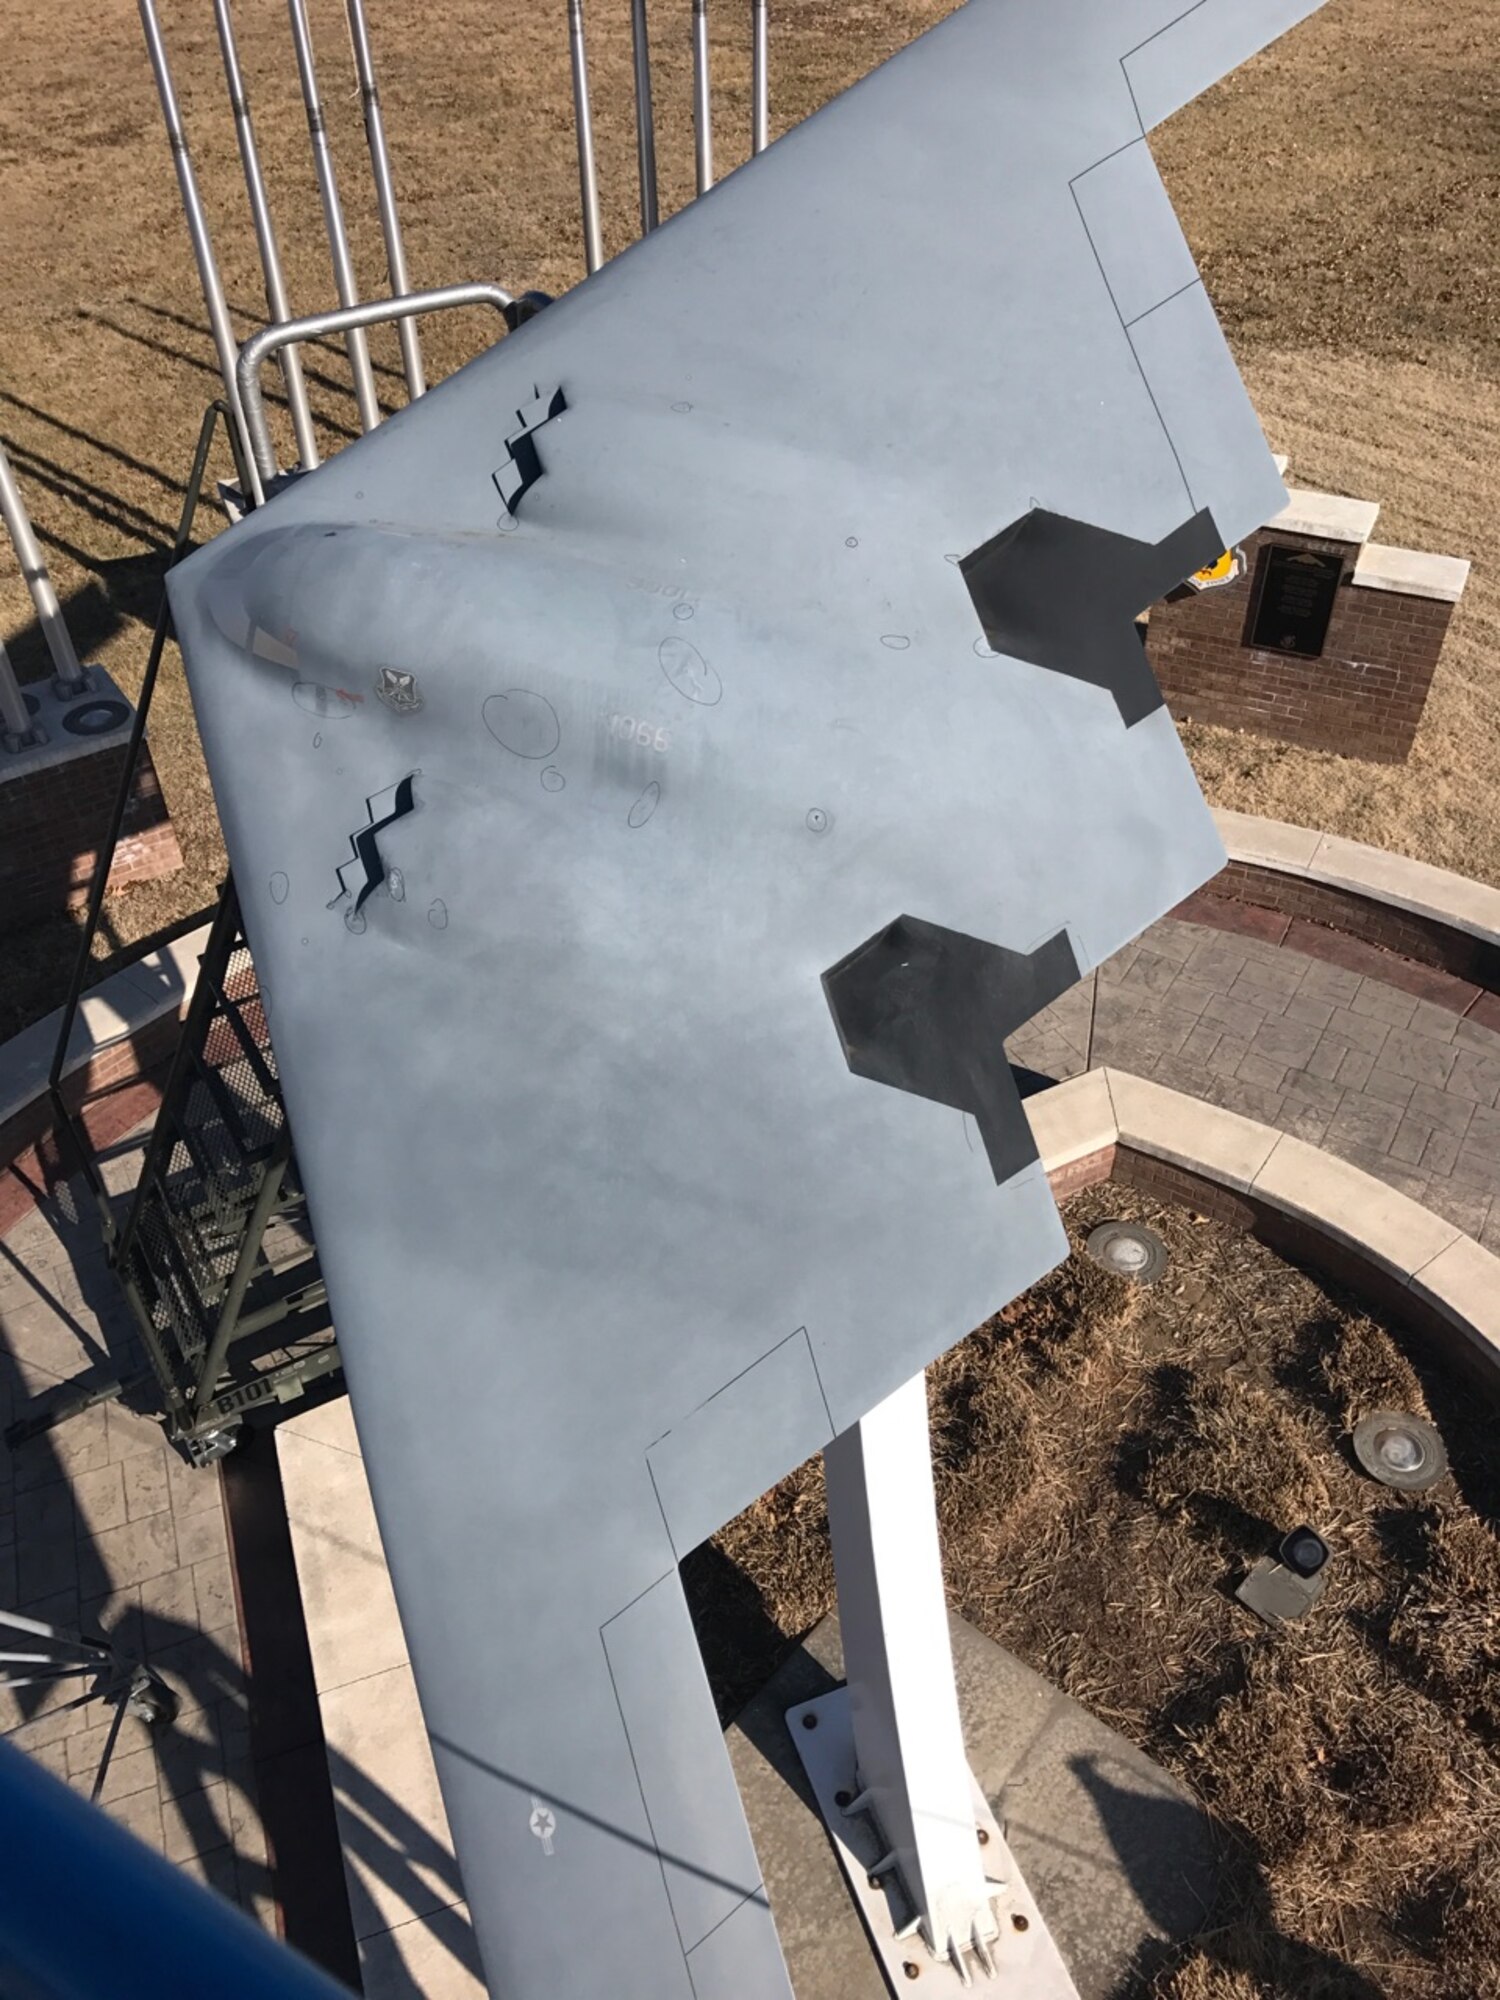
(1025,1957)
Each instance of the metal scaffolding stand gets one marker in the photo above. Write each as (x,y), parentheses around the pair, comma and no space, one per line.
(38,1655)
(213,1253)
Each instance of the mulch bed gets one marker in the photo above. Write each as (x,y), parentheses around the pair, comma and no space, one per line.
(1110,1460)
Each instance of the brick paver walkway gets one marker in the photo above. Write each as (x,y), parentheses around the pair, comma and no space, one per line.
(1392,1083)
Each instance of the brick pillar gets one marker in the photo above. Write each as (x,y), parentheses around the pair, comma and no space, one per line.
(1363,696)
(55,804)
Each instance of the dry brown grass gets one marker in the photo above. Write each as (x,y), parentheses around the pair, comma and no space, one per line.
(1340,191)
(1109,1461)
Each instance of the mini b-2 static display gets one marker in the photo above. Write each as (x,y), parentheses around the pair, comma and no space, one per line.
(659,769)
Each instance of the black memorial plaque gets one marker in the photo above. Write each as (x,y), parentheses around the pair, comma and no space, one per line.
(1294,601)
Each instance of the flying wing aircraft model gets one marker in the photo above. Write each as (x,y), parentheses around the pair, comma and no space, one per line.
(659,768)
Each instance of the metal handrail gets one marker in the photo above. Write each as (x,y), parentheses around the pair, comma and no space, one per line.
(259,348)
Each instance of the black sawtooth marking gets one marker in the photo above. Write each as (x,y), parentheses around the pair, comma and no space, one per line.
(1065,595)
(927,1010)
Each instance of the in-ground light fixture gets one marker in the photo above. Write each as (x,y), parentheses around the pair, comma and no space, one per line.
(1400,1450)
(1129,1250)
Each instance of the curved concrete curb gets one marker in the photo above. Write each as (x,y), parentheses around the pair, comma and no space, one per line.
(1436,894)
(1449,1282)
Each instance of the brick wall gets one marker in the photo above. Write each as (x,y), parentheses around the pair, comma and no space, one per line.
(1422,939)
(1363,697)
(53,822)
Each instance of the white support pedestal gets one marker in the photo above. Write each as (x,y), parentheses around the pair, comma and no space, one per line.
(926,1861)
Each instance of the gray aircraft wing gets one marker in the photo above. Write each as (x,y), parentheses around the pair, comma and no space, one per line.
(659,767)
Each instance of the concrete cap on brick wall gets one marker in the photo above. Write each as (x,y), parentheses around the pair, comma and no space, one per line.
(1411,573)
(117,1008)
(1071,1123)
(1414,886)
(1329,517)
(63,745)
(1186,1132)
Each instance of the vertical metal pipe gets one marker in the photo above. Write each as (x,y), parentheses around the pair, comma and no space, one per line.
(385,193)
(645,124)
(197,222)
(15,718)
(760,70)
(703,136)
(583,122)
(70,674)
(265,236)
(333,217)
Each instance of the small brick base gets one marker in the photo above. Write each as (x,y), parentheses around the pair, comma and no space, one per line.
(1363,697)
(53,820)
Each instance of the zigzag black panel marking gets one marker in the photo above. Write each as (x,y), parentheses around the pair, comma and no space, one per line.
(365,844)
(1065,595)
(927,1010)
(523,468)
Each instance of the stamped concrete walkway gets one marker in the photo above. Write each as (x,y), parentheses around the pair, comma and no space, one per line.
(103,1528)
(1396,1084)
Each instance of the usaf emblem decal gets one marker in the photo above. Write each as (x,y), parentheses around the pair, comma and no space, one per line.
(399,691)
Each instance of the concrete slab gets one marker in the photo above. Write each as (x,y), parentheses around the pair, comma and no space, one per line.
(405,1892)
(1463,1284)
(435,1954)
(1116,1853)
(1411,573)
(1073,1120)
(353,1626)
(1268,843)
(1330,516)
(1417,886)
(1353,1207)
(1169,1125)
(118,1007)
(375,1732)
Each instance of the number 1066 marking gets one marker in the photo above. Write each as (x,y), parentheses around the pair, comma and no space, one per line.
(633,729)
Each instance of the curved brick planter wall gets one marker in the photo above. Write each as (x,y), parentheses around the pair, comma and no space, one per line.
(1293,885)
(1300,1200)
